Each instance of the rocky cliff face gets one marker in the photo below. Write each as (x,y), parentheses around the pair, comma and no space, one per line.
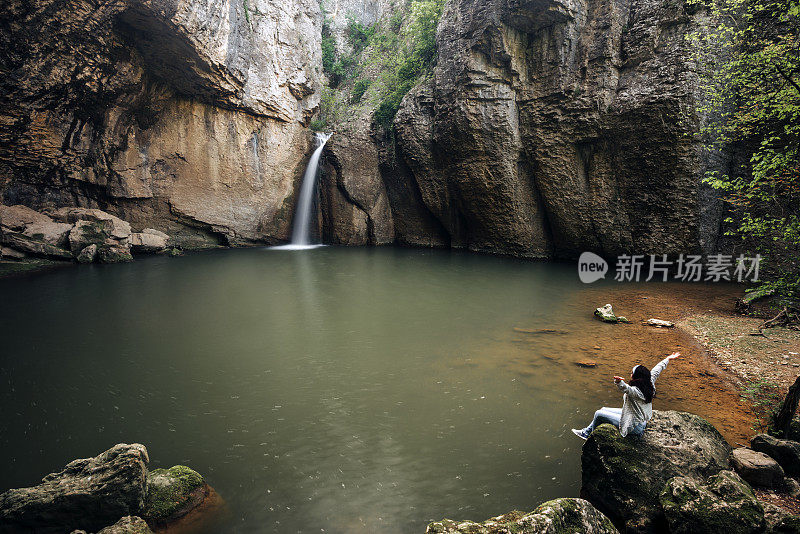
(186,116)
(550,127)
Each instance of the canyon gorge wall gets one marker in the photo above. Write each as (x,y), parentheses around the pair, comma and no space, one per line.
(547,127)
(550,127)
(186,116)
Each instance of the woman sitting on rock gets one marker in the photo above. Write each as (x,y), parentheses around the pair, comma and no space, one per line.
(637,402)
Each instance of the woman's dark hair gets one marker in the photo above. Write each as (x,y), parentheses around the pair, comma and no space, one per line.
(641,380)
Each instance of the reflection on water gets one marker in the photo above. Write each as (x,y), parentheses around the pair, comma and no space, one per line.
(350,390)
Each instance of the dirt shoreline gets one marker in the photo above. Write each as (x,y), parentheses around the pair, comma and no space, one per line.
(721,359)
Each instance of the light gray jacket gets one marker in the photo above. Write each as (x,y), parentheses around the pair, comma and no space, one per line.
(635,410)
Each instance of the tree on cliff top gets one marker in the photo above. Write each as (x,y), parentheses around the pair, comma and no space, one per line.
(749,57)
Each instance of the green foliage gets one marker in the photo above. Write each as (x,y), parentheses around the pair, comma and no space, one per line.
(412,60)
(330,110)
(358,34)
(388,60)
(359,88)
(749,62)
(765,398)
(318,125)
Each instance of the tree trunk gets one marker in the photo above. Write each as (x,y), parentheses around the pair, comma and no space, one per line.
(783,417)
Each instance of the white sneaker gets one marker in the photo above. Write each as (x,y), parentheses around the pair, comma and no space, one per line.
(580,434)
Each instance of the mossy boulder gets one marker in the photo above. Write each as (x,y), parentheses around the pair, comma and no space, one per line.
(552,517)
(172,493)
(114,254)
(726,503)
(623,477)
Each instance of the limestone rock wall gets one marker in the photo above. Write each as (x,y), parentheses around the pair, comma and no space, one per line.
(190,117)
(550,127)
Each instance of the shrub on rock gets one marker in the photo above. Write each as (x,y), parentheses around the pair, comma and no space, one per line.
(623,477)
(725,504)
(552,517)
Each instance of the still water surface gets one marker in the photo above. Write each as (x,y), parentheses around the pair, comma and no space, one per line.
(327,390)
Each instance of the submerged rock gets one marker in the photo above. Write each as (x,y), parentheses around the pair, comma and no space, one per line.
(87,494)
(552,517)
(757,468)
(606,314)
(784,451)
(172,493)
(623,477)
(725,504)
(659,323)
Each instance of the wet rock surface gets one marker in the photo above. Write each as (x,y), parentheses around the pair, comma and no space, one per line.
(551,517)
(623,477)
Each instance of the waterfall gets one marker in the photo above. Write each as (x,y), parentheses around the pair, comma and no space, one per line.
(302,215)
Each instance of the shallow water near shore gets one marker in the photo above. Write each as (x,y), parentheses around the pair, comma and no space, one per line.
(332,389)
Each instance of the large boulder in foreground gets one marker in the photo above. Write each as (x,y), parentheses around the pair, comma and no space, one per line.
(784,451)
(725,504)
(623,477)
(552,517)
(88,494)
(172,493)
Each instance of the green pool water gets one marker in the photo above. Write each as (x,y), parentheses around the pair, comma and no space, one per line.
(325,390)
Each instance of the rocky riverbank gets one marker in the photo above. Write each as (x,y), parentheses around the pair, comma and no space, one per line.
(680,477)
(30,239)
(112,493)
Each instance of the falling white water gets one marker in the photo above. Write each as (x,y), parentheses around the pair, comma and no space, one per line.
(302,215)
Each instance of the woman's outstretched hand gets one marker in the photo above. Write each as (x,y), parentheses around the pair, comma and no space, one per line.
(674,355)
(617,379)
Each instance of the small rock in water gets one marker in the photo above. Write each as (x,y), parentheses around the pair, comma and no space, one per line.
(172,493)
(586,363)
(659,323)
(606,314)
